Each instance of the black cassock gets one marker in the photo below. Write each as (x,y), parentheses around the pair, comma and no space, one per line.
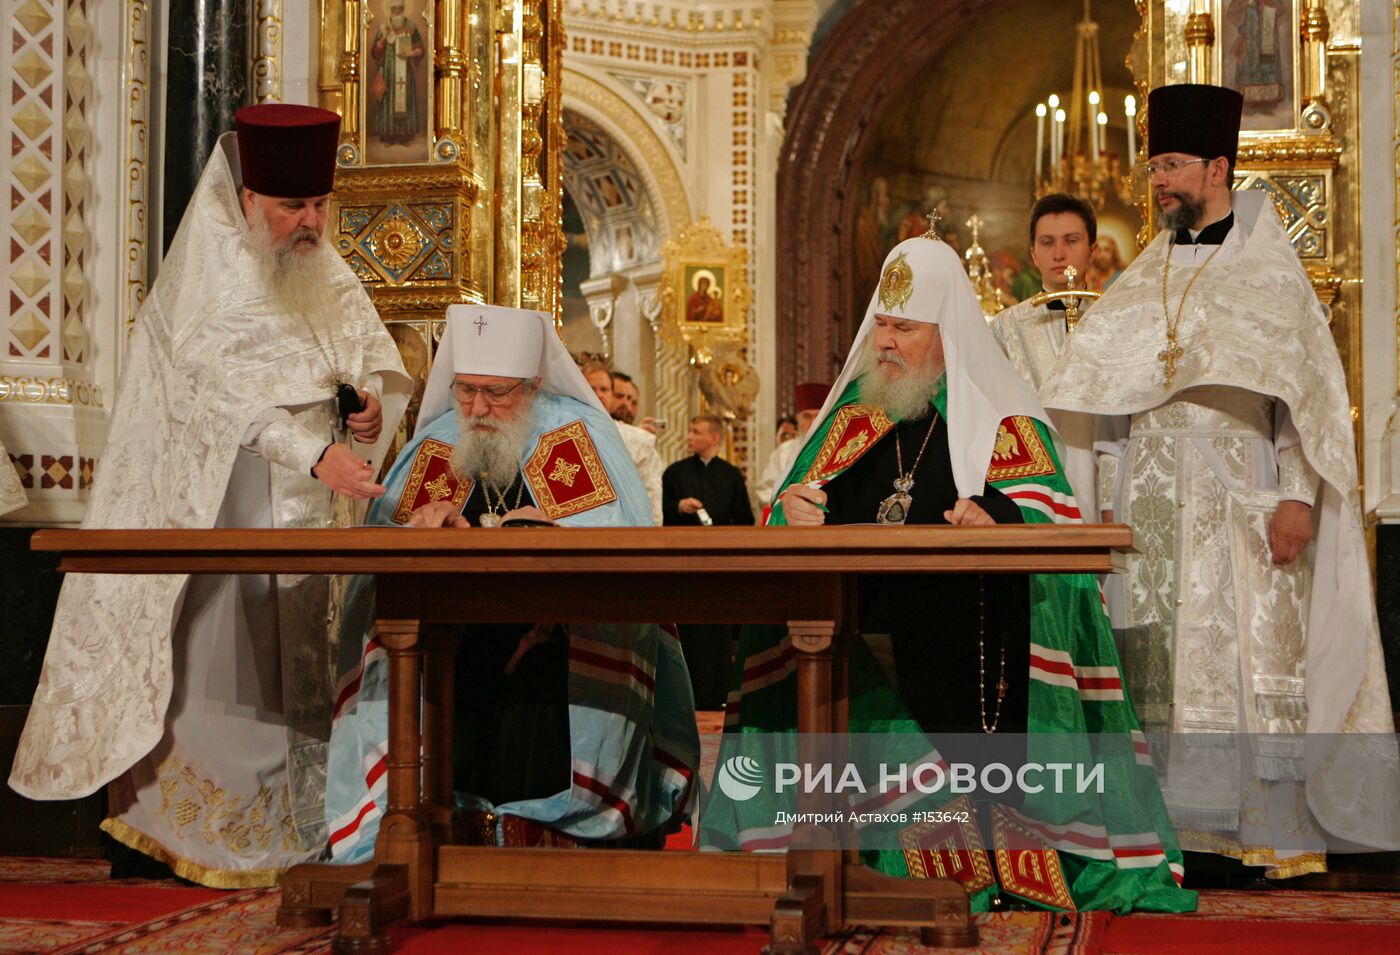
(719,485)
(510,731)
(933,620)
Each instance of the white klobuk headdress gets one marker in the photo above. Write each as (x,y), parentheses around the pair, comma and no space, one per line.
(506,343)
(923,281)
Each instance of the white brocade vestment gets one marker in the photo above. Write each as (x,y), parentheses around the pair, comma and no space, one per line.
(205,700)
(641,446)
(1214,634)
(1032,337)
(1268,679)
(12,496)
(780,462)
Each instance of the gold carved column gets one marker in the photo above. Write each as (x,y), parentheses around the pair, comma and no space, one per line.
(449,182)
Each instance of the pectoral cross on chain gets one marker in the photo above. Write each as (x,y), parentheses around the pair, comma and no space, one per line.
(1168,357)
(480,324)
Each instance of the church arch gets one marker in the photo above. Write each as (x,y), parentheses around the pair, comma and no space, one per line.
(613,148)
(922,87)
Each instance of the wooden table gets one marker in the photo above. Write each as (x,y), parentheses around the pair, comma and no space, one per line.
(432,580)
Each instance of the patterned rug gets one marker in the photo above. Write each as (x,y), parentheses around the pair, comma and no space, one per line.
(161,919)
(70,907)
(1319,923)
(241,921)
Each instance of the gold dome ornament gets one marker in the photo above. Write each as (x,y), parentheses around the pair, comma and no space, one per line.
(896,283)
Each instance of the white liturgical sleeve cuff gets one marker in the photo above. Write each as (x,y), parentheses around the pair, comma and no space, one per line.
(278,438)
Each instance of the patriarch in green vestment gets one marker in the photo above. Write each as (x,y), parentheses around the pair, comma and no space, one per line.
(929,424)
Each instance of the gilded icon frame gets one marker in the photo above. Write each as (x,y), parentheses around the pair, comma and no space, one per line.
(375,148)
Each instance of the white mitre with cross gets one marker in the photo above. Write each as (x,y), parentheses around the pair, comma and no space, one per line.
(923,281)
(504,343)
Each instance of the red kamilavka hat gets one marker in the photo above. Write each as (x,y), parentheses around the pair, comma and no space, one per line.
(286,150)
(809,396)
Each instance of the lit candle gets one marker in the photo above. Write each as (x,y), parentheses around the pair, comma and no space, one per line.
(1039,139)
(1093,128)
(1052,106)
(1103,134)
(1059,135)
(1130,110)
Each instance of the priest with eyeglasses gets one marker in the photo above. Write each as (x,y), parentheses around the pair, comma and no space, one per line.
(564,734)
(1225,439)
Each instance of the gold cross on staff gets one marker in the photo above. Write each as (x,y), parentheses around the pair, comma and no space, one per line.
(1169,357)
(933,221)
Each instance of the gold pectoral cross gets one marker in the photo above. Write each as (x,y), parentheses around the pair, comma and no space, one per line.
(1169,356)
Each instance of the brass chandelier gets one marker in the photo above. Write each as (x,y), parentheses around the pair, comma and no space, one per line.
(1082,166)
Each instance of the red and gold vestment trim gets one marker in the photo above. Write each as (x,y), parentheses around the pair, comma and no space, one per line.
(855,430)
(949,848)
(565,474)
(431,479)
(1019,452)
(1028,866)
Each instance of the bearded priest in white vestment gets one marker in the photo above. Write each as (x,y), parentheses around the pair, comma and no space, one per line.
(1251,626)
(1064,234)
(258,382)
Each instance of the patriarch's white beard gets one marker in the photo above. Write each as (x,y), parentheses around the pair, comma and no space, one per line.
(905,397)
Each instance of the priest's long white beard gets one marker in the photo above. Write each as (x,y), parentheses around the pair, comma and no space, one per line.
(299,282)
(905,397)
(495,452)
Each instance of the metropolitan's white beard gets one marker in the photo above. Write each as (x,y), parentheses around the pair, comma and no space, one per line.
(297,274)
(495,452)
(905,397)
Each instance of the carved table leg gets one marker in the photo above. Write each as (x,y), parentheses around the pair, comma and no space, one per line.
(813,904)
(369,908)
(311,892)
(797,918)
(439,683)
(402,884)
(939,907)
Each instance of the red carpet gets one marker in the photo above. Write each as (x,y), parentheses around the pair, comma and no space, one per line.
(68,907)
(102,903)
(1319,923)
(1128,937)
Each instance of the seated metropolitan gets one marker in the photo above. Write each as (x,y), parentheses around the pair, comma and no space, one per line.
(930,424)
(563,735)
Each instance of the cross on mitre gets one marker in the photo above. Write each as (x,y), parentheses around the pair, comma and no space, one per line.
(933,222)
(480,324)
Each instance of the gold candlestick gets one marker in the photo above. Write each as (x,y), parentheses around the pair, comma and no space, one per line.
(1071,296)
